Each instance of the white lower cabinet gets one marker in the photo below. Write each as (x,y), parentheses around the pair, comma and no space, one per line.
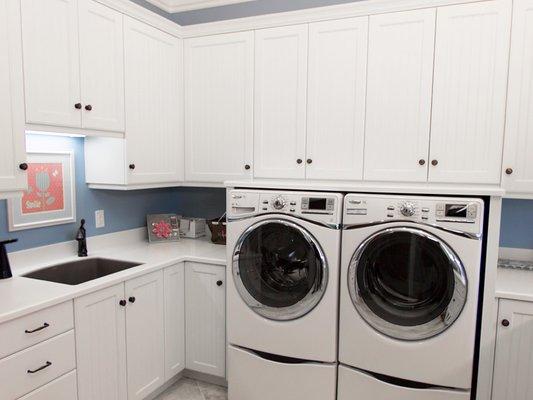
(205,318)
(514,351)
(63,388)
(174,320)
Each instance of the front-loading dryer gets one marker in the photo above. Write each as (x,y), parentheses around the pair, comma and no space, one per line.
(410,276)
(282,295)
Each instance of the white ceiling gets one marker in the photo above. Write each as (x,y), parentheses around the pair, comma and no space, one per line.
(174,6)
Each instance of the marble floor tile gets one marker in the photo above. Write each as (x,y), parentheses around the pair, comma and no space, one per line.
(189,389)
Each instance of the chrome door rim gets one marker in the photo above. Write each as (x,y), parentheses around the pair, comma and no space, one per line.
(417,332)
(298,310)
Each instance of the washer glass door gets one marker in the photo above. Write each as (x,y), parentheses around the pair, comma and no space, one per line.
(279,269)
(407,283)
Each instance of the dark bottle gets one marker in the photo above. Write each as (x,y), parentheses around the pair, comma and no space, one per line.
(5,268)
(81,237)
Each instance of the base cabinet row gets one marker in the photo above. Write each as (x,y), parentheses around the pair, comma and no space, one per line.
(131,338)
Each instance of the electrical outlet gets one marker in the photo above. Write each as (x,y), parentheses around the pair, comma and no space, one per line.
(99,217)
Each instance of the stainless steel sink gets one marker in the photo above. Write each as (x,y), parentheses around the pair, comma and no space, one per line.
(80,271)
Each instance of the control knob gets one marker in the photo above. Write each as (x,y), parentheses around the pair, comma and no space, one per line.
(279,203)
(407,209)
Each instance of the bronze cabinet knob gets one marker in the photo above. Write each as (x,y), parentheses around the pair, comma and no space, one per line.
(88,107)
(132,166)
(77,106)
(247,167)
(505,322)
(422,161)
(509,171)
(23,166)
(299,161)
(309,161)
(435,162)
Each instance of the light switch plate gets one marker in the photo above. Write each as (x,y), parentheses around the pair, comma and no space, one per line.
(99,217)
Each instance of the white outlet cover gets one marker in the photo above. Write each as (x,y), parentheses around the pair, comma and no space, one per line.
(99,217)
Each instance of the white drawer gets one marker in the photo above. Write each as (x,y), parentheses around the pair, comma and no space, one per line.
(34,328)
(49,360)
(64,388)
(252,377)
(355,385)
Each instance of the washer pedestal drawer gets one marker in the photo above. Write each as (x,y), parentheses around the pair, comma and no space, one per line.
(252,377)
(356,385)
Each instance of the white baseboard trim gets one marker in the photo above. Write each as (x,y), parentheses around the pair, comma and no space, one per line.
(200,376)
(510,253)
(168,384)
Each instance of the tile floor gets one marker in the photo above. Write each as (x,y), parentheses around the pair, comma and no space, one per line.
(189,389)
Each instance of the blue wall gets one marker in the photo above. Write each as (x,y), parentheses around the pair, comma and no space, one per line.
(123,210)
(517,224)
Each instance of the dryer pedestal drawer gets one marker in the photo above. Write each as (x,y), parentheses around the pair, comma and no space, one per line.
(251,377)
(356,385)
(63,388)
(34,367)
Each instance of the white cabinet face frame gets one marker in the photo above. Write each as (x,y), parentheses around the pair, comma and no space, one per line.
(174,320)
(102,66)
(469,92)
(280,102)
(219,87)
(517,174)
(12,135)
(336,99)
(398,105)
(51,62)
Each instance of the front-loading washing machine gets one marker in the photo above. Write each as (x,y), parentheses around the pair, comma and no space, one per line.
(282,295)
(410,277)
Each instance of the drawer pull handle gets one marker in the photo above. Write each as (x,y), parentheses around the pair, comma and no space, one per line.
(44,326)
(48,363)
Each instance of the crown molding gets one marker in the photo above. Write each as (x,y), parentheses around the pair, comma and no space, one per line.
(175,6)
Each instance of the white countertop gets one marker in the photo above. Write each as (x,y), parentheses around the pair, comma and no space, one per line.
(514,284)
(20,296)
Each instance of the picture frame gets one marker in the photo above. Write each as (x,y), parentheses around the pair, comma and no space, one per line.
(51,195)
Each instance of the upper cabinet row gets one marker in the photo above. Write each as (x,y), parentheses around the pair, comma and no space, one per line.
(410,96)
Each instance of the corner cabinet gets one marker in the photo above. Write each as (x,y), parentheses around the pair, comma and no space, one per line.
(517,174)
(151,154)
(514,353)
(219,87)
(12,135)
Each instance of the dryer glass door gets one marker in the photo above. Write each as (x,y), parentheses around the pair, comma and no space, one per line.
(407,283)
(279,269)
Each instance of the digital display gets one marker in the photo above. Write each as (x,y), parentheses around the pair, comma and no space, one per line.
(317,204)
(456,210)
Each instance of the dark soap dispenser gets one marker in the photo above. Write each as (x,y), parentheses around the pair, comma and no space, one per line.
(5,268)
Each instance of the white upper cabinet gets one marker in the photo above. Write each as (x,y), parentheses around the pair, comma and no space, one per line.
(101,66)
(470,83)
(336,99)
(518,160)
(51,62)
(219,80)
(12,136)
(400,73)
(154,135)
(280,102)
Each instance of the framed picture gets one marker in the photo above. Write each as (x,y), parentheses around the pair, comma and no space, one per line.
(50,198)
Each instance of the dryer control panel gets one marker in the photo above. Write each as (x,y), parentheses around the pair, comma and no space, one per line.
(461,214)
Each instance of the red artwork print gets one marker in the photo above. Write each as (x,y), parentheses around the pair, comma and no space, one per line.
(45,188)
(162,229)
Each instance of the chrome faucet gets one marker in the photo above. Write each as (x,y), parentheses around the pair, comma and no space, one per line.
(5,268)
(81,237)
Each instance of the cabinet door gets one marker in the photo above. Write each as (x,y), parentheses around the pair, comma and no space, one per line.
(469,92)
(336,103)
(205,320)
(145,336)
(219,107)
(102,67)
(51,62)
(12,135)
(153,133)
(174,320)
(101,345)
(517,160)
(514,353)
(280,102)
(400,73)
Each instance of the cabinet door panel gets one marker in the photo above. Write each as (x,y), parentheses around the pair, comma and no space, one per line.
(519,130)
(336,102)
(205,318)
(102,66)
(219,107)
(514,352)
(154,136)
(145,336)
(174,320)
(400,73)
(101,345)
(51,62)
(280,102)
(12,135)
(471,62)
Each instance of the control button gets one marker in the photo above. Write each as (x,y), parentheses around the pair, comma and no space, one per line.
(265,209)
(293,210)
(440,207)
(471,211)
(390,208)
(293,203)
(425,209)
(265,201)
(440,213)
(390,215)
(357,211)
(425,217)
(354,201)
(330,201)
(330,207)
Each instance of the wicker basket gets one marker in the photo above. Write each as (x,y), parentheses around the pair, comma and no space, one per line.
(218,230)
